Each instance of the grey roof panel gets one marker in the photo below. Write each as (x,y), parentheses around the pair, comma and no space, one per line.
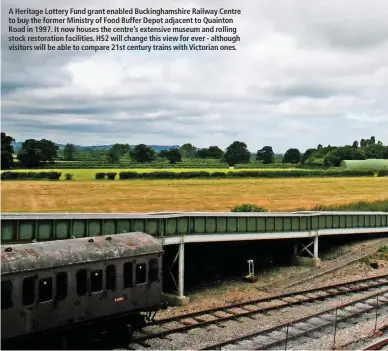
(59,253)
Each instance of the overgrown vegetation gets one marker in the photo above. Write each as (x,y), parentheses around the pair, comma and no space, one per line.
(248,208)
(372,206)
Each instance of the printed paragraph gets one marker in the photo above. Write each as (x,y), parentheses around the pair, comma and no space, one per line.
(123,29)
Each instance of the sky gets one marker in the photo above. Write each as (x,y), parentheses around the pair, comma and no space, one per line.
(305,73)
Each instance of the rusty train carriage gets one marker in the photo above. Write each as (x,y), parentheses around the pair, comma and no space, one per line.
(59,284)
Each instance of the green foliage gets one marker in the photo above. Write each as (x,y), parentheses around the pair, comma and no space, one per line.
(173,155)
(68,176)
(213,152)
(69,152)
(143,153)
(113,156)
(30,175)
(335,157)
(100,175)
(367,206)
(376,151)
(188,150)
(6,151)
(292,156)
(33,152)
(111,175)
(121,149)
(237,152)
(248,208)
(246,174)
(265,154)
(307,154)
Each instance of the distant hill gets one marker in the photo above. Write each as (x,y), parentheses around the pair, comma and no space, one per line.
(18,145)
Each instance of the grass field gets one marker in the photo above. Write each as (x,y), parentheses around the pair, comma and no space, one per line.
(187,195)
(89,174)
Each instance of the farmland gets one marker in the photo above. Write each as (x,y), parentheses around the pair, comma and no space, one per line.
(186,195)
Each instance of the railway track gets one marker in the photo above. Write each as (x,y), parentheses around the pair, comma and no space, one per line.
(215,316)
(282,334)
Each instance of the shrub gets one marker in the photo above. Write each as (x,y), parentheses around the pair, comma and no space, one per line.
(248,208)
(68,176)
(129,175)
(111,176)
(382,173)
(100,175)
(30,175)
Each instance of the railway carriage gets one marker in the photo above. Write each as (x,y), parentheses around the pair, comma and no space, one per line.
(49,286)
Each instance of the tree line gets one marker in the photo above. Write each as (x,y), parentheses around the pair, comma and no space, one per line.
(35,153)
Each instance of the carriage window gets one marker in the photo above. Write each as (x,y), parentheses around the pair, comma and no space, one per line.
(28,291)
(6,294)
(82,282)
(154,271)
(128,275)
(96,280)
(45,289)
(140,273)
(110,272)
(61,286)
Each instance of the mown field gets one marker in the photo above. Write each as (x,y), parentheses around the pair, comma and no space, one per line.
(89,174)
(186,195)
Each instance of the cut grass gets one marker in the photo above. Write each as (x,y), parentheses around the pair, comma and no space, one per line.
(284,194)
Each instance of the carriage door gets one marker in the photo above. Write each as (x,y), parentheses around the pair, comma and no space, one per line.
(154,282)
(140,288)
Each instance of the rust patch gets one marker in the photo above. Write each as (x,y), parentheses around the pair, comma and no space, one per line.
(6,255)
(131,243)
(32,252)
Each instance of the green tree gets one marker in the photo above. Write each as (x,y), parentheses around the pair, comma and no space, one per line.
(143,153)
(213,152)
(265,154)
(121,149)
(173,155)
(6,151)
(188,150)
(237,152)
(336,156)
(292,156)
(36,152)
(355,144)
(69,152)
(113,156)
(374,151)
(307,154)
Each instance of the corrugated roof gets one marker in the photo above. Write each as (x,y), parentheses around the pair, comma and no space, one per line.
(49,254)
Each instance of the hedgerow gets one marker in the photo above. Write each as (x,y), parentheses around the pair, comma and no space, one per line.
(30,175)
(247,174)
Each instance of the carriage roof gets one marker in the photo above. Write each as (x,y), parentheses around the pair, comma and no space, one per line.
(59,253)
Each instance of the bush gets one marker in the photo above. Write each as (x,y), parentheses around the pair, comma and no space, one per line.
(100,175)
(111,176)
(30,175)
(296,173)
(248,208)
(68,176)
(382,173)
